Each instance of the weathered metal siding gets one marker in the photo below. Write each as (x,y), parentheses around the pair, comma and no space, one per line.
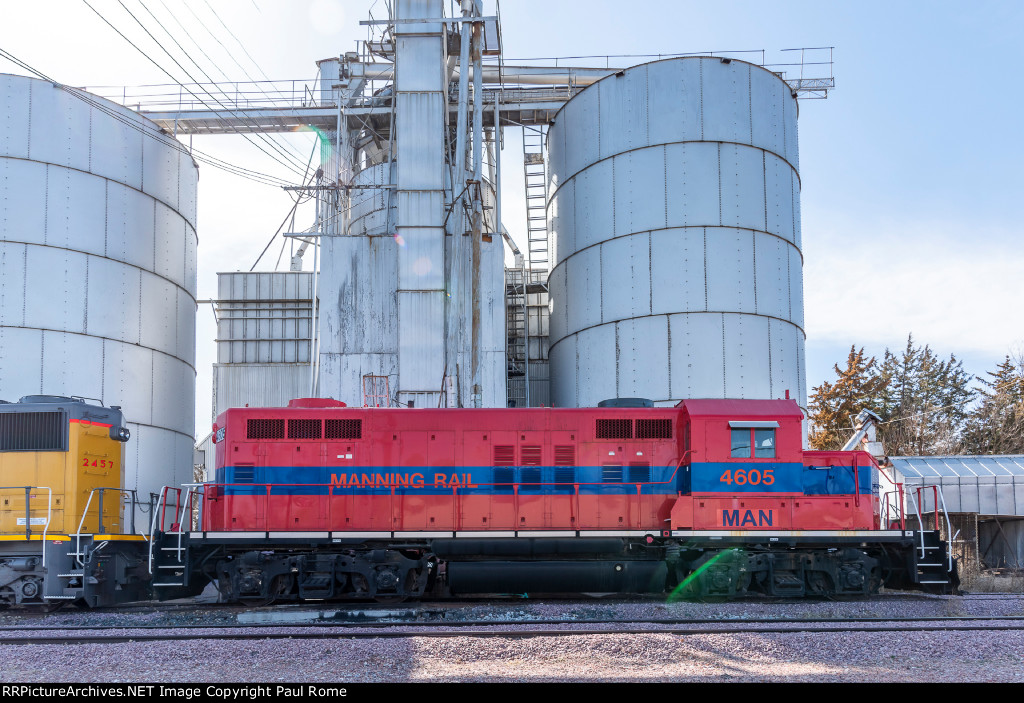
(98,268)
(674,211)
(264,324)
(987,485)
(264,317)
(258,385)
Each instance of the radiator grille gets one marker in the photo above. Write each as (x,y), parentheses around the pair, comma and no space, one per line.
(304,429)
(265,429)
(32,432)
(614,429)
(344,429)
(654,429)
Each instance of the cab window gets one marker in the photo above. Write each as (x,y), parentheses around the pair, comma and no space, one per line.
(741,443)
(764,444)
(748,442)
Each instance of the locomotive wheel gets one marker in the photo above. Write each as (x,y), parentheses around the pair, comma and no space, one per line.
(281,585)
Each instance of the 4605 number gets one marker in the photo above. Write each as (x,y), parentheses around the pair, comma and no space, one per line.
(752,476)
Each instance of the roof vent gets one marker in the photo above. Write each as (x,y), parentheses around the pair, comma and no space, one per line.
(626,403)
(316,403)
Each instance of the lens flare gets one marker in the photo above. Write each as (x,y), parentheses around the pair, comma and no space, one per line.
(399,240)
(677,592)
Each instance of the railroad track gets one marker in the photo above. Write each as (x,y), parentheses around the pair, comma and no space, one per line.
(536,628)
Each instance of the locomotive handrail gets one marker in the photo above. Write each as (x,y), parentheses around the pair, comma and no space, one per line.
(28,509)
(949,530)
(157,514)
(99,522)
(193,490)
(266,491)
(268,488)
(937,498)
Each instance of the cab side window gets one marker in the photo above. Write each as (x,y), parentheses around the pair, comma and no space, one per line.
(749,442)
(741,443)
(764,444)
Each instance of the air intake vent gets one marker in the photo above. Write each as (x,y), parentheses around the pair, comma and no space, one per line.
(611,473)
(304,429)
(265,429)
(565,475)
(530,456)
(565,456)
(503,478)
(614,429)
(531,477)
(639,472)
(32,432)
(504,456)
(344,429)
(654,429)
(245,474)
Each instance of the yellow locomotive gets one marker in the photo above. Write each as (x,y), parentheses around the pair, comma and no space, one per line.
(67,528)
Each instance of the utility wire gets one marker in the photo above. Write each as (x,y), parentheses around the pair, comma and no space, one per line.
(202,157)
(228,51)
(215,63)
(165,71)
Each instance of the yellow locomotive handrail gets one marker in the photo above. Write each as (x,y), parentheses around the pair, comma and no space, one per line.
(28,511)
(99,517)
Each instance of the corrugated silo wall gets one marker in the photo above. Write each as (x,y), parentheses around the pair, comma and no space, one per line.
(674,209)
(359,311)
(98,268)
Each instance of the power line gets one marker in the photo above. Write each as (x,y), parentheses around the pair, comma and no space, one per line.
(202,157)
(228,51)
(155,63)
(212,61)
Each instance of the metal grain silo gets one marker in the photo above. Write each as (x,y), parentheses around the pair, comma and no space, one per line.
(674,209)
(98,267)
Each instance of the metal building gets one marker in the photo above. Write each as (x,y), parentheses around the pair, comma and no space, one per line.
(674,208)
(264,333)
(98,267)
(984,497)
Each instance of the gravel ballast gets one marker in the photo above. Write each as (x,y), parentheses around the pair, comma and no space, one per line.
(977,656)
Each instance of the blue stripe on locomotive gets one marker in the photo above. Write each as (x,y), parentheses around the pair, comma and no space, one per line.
(787,478)
(481,480)
(700,478)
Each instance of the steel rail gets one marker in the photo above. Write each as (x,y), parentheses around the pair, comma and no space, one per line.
(516,623)
(405,632)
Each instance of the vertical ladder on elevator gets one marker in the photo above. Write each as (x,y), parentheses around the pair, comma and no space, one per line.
(515,310)
(534,139)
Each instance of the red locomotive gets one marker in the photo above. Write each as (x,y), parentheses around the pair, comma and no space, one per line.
(712,497)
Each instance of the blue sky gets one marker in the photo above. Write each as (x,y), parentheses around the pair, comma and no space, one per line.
(911,169)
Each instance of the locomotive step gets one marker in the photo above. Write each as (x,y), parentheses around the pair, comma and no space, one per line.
(60,597)
(167,585)
(71,574)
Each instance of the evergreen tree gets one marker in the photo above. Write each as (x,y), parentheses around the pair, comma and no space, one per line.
(996,425)
(922,401)
(833,406)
